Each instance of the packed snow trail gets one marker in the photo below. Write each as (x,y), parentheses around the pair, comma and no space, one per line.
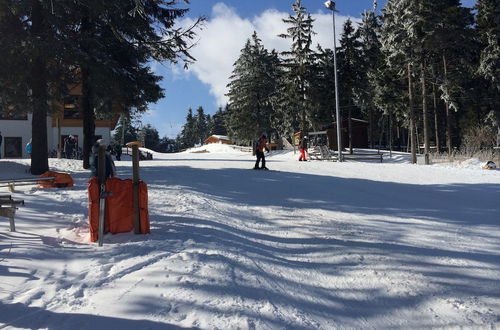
(314,245)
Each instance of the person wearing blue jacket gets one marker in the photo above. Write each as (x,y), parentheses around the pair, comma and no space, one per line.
(28,148)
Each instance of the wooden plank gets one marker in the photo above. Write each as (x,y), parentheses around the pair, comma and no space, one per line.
(27,179)
(352,157)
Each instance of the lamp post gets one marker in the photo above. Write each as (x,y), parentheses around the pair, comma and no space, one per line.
(331,5)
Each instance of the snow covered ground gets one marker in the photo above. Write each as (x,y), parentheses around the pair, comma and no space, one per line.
(307,245)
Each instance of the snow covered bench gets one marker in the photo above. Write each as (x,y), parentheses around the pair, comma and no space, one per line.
(8,209)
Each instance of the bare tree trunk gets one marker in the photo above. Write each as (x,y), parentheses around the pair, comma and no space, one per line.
(86,101)
(349,123)
(412,118)
(448,114)
(39,155)
(390,135)
(436,113)
(424,111)
(88,117)
(370,126)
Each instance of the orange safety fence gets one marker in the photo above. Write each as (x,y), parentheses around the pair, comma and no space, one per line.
(61,180)
(119,213)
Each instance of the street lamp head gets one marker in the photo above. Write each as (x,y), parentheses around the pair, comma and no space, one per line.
(330,5)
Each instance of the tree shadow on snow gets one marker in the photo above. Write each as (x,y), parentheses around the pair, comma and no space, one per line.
(465,204)
(21,316)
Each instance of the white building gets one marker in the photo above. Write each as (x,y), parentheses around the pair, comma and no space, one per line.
(16,129)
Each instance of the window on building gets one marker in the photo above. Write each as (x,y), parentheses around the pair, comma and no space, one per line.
(12,114)
(72,107)
(13,147)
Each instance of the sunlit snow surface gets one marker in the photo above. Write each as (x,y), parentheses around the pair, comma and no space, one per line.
(306,245)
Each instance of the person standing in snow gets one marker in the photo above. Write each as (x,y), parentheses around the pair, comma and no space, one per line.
(118,151)
(259,152)
(94,161)
(68,147)
(303,149)
(28,148)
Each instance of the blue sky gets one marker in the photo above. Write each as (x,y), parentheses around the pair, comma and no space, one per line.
(229,24)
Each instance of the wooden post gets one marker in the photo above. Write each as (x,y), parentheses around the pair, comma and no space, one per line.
(11,220)
(9,212)
(135,180)
(59,142)
(101,172)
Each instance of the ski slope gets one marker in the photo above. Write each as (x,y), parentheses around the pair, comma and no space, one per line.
(306,245)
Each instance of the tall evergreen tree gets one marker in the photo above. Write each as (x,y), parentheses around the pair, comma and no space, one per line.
(294,109)
(106,36)
(218,126)
(187,137)
(398,45)
(201,128)
(350,72)
(31,38)
(151,137)
(125,131)
(451,51)
(251,85)
(116,42)
(323,90)
(372,60)
(488,25)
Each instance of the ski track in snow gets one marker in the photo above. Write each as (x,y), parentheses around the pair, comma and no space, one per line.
(314,245)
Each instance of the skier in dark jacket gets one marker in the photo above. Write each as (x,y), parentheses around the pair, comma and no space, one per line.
(69,146)
(118,151)
(94,161)
(261,146)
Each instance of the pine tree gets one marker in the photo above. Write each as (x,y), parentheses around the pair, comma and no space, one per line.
(201,128)
(30,38)
(452,50)
(110,44)
(151,137)
(350,73)
(373,61)
(218,126)
(295,111)
(322,93)
(252,83)
(488,25)
(125,132)
(398,46)
(116,42)
(187,137)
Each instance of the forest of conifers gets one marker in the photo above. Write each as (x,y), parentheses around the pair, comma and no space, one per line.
(422,73)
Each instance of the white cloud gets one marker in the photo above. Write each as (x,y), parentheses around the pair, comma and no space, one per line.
(225,34)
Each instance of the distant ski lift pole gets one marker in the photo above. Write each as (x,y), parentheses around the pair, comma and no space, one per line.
(331,6)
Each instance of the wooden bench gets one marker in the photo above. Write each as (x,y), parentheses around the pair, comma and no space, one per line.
(363,156)
(8,209)
(12,183)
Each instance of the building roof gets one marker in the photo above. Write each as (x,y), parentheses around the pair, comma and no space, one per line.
(221,137)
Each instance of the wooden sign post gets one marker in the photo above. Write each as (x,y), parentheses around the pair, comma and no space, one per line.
(135,181)
(101,175)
